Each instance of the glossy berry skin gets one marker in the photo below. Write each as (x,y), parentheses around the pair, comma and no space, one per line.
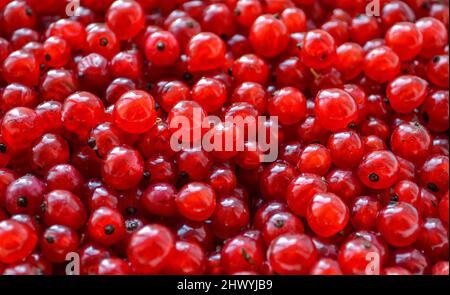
(381,64)
(106,226)
(435,36)
(104,137)
(440,268)
(268,36)
(411,259)
(250,68)
(24,195)
(434,111)
(434,174)
(122,167)
(196,201)
(353,256)
(274,180)
(113,266)
(169,93)
(405,39)
(20,127)
(102,40)
(126,64)
(64,208)
(125,19)
(399,224)
(344,183)
(162,49)
(49,113)
(241,253)
(191,111)
(291,254)
(223,180)
(378,169)
(186,259)
(335,109)
(349,60)
(49,150)
(437,71)
(411,141)
(433,239)
(194,162)
(407,191)
(364,28)
(58,84)
(149,248)
(65,177)
(15,95)
(21,67)
(81,112)
(346,148)
(17,14)
(57,241)
(289,104)
(205,51)
(231,215)
(134,112)
(159,199)
(326,266)
(210,93)
(17,241)
(57,52)
(316,159)
(443,208)
(6,177)
(364,211)
(327,214)
(301,190)
(281,223)
(318,49)
(406,93)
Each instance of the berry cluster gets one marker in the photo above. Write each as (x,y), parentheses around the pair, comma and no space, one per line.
(87,166)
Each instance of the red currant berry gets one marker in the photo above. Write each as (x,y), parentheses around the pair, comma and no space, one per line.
(327,214)
(399,223)
(378,169)
(17,241)
(292,254)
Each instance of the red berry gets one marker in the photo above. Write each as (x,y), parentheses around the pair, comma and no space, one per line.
(292,254)
(406,93)
(149,248)
(268,36)
(335,109)
(399,223)
(17,241)
(134,112)
(289,105)
(106,226)
(125,18)
(205,51)
(327,214)
(162,49)
(123,167)
(57,241)
(381,64)
(379,169)
(196,201)
(318,49)
(241,253)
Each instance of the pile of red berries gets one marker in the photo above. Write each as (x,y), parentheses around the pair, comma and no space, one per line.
(360,184)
